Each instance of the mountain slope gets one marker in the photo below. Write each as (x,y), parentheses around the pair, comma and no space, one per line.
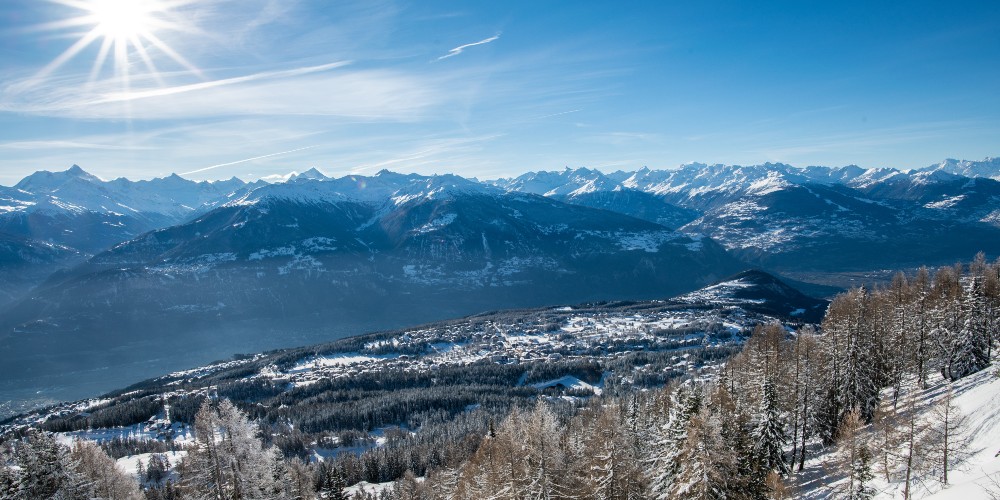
(526,346)
(760,292)
(816,227)
(634,203)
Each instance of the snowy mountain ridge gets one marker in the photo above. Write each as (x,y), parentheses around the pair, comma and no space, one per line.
(694,185)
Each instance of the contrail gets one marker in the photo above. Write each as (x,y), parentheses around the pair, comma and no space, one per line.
(246,160)
(458,50)
(556,114)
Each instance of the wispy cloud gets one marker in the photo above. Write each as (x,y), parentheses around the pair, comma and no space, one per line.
(266,75)
(46,145)
(458,50)
(306,91)
(245,160)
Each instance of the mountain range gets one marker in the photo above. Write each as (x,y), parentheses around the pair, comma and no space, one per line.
(144,277)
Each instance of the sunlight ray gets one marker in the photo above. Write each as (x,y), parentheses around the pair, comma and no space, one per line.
(179,59)
(102,56)
(144,55)
(69,53)
(62,24)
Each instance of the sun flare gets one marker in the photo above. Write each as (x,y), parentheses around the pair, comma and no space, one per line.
(125,30)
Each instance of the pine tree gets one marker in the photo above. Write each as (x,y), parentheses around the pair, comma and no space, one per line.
(334,483)
(668,438)
(544,462)
(923,325)
(769,435)
(45,469)
(609,465)
(297,481)
(863,475)
(970,352)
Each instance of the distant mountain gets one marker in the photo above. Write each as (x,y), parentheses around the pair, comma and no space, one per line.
(591,188)
(816,218)
(69,215)
(325,247)
(78,210)
(989,168)
(817,227)
(25,262)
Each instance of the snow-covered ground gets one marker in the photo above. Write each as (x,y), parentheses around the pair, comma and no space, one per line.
(978,397)
(976,476)
(129,464)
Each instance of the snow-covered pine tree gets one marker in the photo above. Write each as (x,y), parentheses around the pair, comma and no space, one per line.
(297,481)
(860,359)
(863,475)
(849,443)
(971,345)
(739,463)
(334,484)
(806,350)
(946,315)
(769,437)
(44,469)
(8,477)
(923,324)
(668,438)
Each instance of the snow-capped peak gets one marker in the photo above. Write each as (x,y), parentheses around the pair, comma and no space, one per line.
(383,186)
(988,167)
(45,181)
(311,174)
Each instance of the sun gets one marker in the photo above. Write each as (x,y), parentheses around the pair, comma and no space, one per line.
(123,19)
(125,30)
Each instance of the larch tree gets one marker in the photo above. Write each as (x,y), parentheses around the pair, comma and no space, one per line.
(228,461)
(103,477)
(948,429)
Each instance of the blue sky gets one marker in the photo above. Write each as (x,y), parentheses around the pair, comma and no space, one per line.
(253,88)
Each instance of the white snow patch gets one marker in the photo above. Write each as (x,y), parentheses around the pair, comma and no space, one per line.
(569,382)
(129,464)
(436,224)
(337,360)
(275,252)
(946,203)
